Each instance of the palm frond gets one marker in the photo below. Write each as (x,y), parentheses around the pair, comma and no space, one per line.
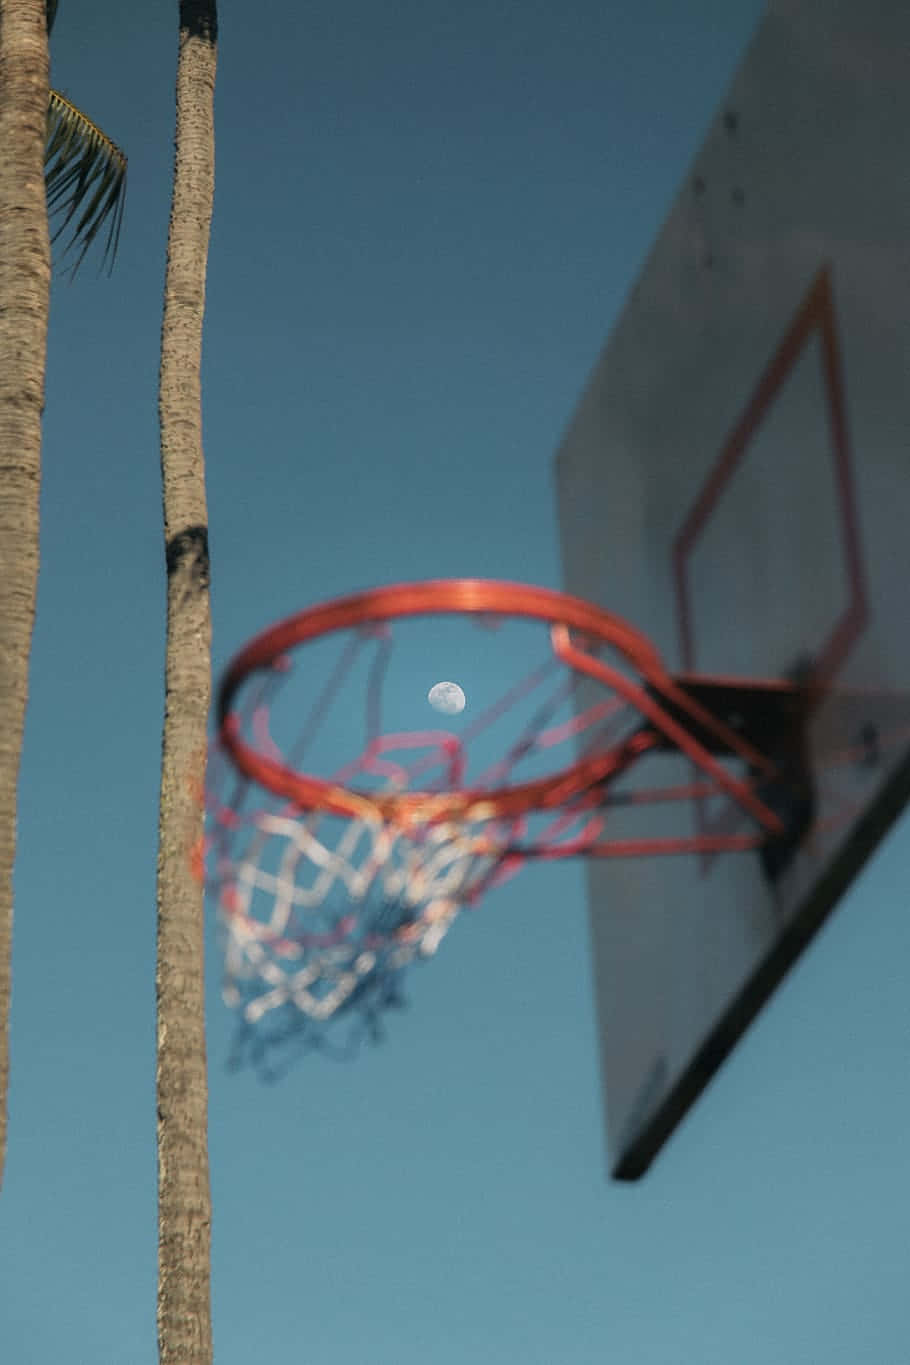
(83,170)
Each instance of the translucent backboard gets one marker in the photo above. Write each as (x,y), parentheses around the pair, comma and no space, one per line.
(736,482)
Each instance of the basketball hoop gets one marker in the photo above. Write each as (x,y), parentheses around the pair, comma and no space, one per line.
(329,886)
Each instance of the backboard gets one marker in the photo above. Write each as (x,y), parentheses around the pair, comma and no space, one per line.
(736,482)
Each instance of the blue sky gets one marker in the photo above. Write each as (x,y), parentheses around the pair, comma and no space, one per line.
(427,217)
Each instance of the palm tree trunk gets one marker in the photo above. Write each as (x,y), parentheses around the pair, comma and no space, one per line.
(25,273)
(184,1199)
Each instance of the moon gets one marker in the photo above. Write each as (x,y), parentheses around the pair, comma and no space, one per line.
(446,697)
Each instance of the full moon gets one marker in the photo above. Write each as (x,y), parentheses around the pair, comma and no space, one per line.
(446,697)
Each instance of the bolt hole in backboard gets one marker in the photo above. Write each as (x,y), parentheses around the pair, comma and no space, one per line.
(736,481)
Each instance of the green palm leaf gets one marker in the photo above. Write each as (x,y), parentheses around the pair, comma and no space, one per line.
(83,170)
